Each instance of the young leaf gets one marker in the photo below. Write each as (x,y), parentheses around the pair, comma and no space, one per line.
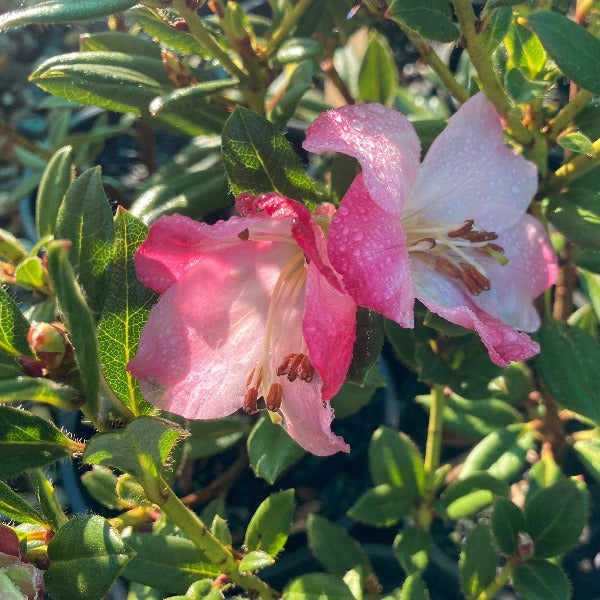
(466,497)
(524,50)
(413,588)
(316,586)
(477,565)
(541,580)
(269,528)
(507,521)
(86,556)
(101,484)
(576,142)
(378,75)
(14,507)
(412,548)
(382,506)
(589,453)
(253,561)
(431,19)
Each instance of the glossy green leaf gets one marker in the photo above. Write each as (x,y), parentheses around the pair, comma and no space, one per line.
(568,366)
(270,525)
(86,556)
(477,564)
(574,49)
(333,547)
(555,517)
(125,312)
(589,453)
(253,561)
(169,563)
(382,506)
(101,484)
(299,82)
(259,159)
(295,50)
(31,275)
(544,473)
(184,99)
(63,11)
(413,588)
(466,497)
(14,507)
(576,142)
(208,438)
(271,450)
(13,327)
(38,389)
(412,548)
(497,28)
(507,521)
(85,218)
(118,41)
(317,586)
(521,89)
(27,441)
(501,453)
(525,51)
(368,344)
(431,19)
(78,320)
(541,580)
(576,213)
(378,75)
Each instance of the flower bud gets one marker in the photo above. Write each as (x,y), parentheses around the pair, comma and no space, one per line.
(51,345)
(525,546)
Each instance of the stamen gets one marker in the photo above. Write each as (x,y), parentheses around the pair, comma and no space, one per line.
(274,397)
(460,232)
(244,235)
(480,236)
(284,367)
(250,377)
(481,282)
(445,266)
(306,371)
(294,366)
(250,406)
(423,244)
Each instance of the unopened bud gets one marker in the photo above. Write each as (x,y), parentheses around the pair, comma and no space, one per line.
(51,345)
(525,546)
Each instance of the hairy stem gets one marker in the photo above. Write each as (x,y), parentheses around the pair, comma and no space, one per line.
(499,582)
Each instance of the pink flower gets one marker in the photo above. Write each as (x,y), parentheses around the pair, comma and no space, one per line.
(250,307)
(451,232)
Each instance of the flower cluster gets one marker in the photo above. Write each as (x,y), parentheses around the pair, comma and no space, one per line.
(263,305)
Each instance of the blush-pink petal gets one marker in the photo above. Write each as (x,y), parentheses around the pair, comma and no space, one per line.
(382,140)
(329,327)
(446,298)
(367,246)
(469,170)
(308,418)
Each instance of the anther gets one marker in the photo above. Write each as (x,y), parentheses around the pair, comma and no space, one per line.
(284,367)
(274,397)
(250,406)
(445,266)
(423,244)
(475,281)
(460,232)
(480,236)
(294,367)
(244,235)
(305,370)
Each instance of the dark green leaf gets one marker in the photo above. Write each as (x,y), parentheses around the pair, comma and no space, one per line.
(86,556)
(270,525)
(117,41)
(576,213)
(14,507)
(169,563)
(271,450)
(300,81)
(378,75)
(491,4)
(576,142)
(382,506)
(468,496)
(574,49)
(541,580)
(351,398)
(544,473)
(589,260)
(203,589)
(368,344)
(101,484)
(85,218)
(507,521)
(78,320)
(317,586)
(521,89)
(430,18)
(208,438)
(568,366)
(497,28)
(477,565)
(259,159)
(27,441)
(38,389)
(124,312)
(295,50)
(412,548)
(555,517)
(253,561)
(413,588)
(184,99)
(333,547)
(589,453)
(13,327)
(63,11)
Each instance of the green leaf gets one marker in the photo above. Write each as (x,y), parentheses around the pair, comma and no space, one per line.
(85,218)
(63,11)
(382,506)
(413,588)
(13,327)
(544,473)
(168,563)
(555,517)
(466,497)
(541,580)
(78,320)
(568,366)
(524,50)
(316,586)
(576,213)
(86,556)
(14,507)
(295,50)
(53,186)
(31,275)
(203,589)
(368,344)
(395,460)
(378,75)
(271,450)
(220,530)
(117,41)
(208,438)
(574,49)
(501,453)
(11,248)
(412,548)
(300,81)
(477,565)
(184,99)
(124,313)
(253,561)
(351,397)
(589,453)
(27,441)
(507,521)
(270,525)
(521,89)
(497,28)
(588,260)
(259,159)
(331,545)
(101,484)
(431,19)
(38,389)
(576,142)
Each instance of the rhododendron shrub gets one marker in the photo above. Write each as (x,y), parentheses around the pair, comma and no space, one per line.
(340,289)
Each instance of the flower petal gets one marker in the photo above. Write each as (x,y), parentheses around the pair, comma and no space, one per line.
(443,297)
(207,331)
(329,328)
(382,140)
(468,171)
(308,418)
(367,247)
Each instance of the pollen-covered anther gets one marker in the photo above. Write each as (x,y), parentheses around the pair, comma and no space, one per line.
(250,406)
(284,367)
(293,372)
(306,371)
(475,281)
(274,397)
(244,235)
(460,232)
(480,236)
(445,266)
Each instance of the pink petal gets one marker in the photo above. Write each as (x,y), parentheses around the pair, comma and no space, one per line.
(207,331)
(468,171)
(382,140)
(308,418)
(368,248)
(329,328)
(445,298)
